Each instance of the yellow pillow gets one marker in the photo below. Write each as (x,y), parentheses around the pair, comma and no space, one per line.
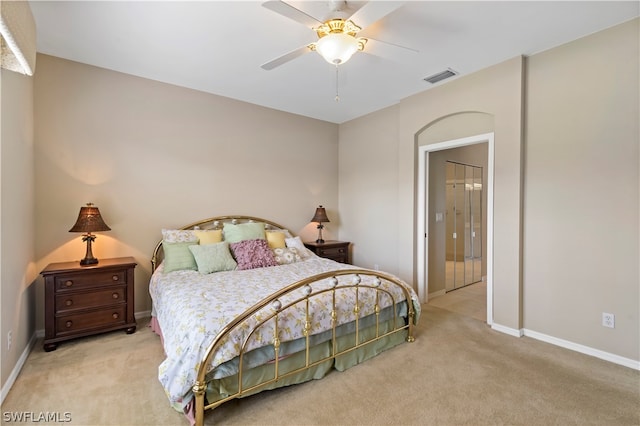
(211,236)
(276,239)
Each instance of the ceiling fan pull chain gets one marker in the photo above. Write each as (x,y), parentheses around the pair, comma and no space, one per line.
(337,99)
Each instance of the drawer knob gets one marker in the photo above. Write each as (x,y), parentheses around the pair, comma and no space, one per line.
(68,283)
(69,324)
(115,295)
(115,315)
(68,302)
(115,278)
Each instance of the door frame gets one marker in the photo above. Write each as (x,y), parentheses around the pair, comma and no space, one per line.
(422,236)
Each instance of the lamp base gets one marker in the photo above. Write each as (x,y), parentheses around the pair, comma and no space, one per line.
(88,262)
(88,257)
(320,240)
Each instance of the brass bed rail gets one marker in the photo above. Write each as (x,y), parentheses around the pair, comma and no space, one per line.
(354,284)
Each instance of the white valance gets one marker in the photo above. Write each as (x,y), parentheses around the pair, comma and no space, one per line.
(17,37)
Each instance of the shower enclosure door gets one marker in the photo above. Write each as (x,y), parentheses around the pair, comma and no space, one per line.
(463,225)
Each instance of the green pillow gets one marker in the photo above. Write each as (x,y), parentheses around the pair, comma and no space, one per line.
(244,231)
(177,256)
(213,257)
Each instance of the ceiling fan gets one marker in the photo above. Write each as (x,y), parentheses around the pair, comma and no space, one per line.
(337,36)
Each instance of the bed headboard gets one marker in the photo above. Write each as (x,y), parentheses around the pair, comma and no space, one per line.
(215,223)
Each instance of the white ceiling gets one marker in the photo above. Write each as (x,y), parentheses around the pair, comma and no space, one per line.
(218,46)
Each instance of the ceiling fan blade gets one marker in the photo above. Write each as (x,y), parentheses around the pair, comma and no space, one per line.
(390,51)
(286,58)
(373,11)
(291,12)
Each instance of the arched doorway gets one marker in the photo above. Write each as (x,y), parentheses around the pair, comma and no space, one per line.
(431,225)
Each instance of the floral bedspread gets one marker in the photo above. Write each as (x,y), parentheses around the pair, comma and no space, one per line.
(192,309)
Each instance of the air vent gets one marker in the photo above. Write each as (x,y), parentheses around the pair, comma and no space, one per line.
(440,76)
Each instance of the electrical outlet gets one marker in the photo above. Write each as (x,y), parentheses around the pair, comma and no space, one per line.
(608,320)
(9,339)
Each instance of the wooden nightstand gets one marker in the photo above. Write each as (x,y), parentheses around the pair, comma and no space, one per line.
(331,249)
(86,300)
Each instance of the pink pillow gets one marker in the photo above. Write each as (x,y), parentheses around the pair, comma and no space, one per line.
(252,254)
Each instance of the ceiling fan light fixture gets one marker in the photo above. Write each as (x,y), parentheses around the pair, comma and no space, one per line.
(337,48)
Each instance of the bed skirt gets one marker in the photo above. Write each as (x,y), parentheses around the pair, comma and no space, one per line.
(219,389)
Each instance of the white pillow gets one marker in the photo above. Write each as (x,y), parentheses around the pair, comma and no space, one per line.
(296,242)
(179,236)
(286,255)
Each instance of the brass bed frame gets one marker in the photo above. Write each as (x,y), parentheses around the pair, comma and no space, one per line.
(351,281)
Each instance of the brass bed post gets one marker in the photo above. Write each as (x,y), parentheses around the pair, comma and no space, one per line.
(307,329)
(198,391)
(276,305)
(411,318)
(356,308)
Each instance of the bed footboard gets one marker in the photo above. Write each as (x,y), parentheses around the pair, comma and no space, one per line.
(400,316)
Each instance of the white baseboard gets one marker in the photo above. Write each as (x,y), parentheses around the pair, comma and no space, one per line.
(142,314)
(16,370)
(507,330)
(616,359)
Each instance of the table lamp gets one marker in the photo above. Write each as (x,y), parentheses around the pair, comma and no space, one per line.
(89,220)
(320,217)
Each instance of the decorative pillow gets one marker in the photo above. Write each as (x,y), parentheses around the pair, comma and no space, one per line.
(178,257)
(297,243)
(210,236)
(286,255)
(178,236)
(243,231)
(276,239)
(213,257)
(252,254)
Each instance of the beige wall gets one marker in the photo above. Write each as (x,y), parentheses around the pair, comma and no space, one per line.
(17,268)
(368,189)
(152,156)
(456,126)
(577,202)
(385,144)
(581,184)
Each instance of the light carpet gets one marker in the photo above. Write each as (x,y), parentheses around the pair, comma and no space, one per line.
(457,372)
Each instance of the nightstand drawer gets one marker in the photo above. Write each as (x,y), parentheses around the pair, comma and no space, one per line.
(337,258)
(96,278)
(68,324)
(332,252)
(332,249)
(72,301)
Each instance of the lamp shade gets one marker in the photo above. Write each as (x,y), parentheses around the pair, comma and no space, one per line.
(337,48)
(89,220)
(320,216)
